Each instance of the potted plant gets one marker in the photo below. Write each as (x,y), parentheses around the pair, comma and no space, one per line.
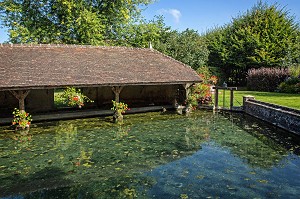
(119,108)
(22,120)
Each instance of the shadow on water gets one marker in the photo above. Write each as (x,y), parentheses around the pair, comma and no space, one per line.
(269,134)
(49,178)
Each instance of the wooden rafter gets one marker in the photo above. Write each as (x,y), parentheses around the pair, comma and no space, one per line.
(20,95)
(117,90)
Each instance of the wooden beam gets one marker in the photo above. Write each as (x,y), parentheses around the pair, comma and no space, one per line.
(117,90)
(187,89)
(216,106)
(20,95)
(231,99)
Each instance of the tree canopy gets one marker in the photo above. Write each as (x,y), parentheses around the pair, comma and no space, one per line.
(67,21)
(186,46)
(264,36)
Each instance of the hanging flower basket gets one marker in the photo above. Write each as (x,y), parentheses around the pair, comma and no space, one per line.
(74,98)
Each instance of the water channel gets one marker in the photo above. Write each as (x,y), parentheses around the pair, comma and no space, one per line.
(152,155)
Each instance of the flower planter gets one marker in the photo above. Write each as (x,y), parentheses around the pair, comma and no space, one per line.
(118,117)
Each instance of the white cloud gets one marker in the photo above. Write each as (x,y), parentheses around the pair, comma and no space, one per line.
(176,14)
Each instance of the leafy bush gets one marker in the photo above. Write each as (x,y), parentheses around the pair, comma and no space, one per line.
(21,119)
(200,93)
(266,79)
(73,97)
(295,70)
(290,85)
(120,107)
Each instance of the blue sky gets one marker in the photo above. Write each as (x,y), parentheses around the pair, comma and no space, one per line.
(205,14)
(201,15)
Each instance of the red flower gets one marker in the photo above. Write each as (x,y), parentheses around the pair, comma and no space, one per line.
(75,98)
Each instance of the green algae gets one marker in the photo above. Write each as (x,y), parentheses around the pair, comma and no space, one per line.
(95,158)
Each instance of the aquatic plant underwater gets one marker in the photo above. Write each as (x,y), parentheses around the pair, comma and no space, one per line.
(151,155)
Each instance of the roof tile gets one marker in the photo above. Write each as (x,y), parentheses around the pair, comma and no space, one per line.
(36,66)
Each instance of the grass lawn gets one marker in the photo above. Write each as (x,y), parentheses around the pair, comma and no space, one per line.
(283,99)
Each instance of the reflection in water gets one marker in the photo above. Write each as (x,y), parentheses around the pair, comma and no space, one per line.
(65,134)
(151,156)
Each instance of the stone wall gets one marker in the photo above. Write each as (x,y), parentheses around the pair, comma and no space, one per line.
(286,118)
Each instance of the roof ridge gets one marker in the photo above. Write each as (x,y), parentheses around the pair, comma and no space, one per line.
(68,46)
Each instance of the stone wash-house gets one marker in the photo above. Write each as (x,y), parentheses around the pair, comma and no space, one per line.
(138,77)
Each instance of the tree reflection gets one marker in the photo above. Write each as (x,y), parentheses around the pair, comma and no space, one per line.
(65,134)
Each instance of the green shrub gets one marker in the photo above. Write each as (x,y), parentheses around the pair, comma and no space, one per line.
(73,97)
(290,85)
(295,70)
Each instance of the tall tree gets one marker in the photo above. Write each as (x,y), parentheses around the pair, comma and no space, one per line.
(67,21)
(187,46)
(262,37)
(141,33)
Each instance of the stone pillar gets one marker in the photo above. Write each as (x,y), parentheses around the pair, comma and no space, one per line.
(20,95)
(246,98)
(187,88)
(117,117)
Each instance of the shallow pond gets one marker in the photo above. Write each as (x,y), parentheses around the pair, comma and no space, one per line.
(151,155)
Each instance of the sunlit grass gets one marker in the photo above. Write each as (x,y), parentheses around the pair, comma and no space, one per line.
(283,99)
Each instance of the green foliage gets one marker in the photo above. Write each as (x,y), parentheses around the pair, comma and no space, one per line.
(264,36)
(141,33)
(201,92)
(64,21)
(21,119)
(200,95)
(295,70)
(73,97)
(187,46)
(120,107)
(290,85)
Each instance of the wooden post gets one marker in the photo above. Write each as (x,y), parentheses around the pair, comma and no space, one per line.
(231,99)
(187,88)
(20,95)
(216,99)
(117,90)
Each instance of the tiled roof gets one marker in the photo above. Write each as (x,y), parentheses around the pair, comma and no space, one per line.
(50,66)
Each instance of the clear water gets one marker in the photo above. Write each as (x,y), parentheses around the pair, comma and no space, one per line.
(204,155)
